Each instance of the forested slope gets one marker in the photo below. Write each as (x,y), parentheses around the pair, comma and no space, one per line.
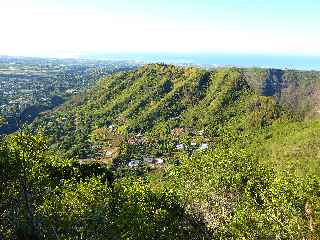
(235,155)
(161,96)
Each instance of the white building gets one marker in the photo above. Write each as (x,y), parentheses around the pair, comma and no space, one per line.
(108,154)
(193,144)
(179,146)
(201,132)
(133,163)
(159,161)
(149,159)
(203,146)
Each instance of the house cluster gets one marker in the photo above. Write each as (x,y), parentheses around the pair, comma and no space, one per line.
(202,146)
(193,145)
(176,133)
(149,160)
(72,91)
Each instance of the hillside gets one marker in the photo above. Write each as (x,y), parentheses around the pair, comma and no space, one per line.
(298,91)
(187,153)
(160,97)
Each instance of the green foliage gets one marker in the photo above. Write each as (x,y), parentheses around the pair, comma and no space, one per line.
(290,146)
(29,172)
(259,178)
(24,180)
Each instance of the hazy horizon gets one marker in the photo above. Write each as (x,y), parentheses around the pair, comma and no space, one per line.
(72,28)
(294,62)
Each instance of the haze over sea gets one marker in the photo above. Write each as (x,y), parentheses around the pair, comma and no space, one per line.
(217,60)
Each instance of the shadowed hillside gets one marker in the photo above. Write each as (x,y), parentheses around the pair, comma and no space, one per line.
(297,91)
(157,95)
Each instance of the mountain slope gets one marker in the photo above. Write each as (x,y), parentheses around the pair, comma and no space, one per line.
(298,91)
(156,95)
(196,154)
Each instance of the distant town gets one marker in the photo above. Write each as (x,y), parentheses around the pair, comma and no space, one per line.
(32,85)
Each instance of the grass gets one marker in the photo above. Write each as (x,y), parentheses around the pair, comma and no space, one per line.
(291,147)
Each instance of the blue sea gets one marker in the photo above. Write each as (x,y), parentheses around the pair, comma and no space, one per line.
(218,60)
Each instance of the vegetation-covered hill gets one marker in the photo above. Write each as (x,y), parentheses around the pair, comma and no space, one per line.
(196,154)
(299,91)
(161,98)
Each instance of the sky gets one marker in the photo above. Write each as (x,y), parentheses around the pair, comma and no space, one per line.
(70,28)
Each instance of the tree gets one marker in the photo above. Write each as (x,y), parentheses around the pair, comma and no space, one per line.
(23,182)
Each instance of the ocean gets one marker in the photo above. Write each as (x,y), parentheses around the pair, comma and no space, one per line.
(218,60)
